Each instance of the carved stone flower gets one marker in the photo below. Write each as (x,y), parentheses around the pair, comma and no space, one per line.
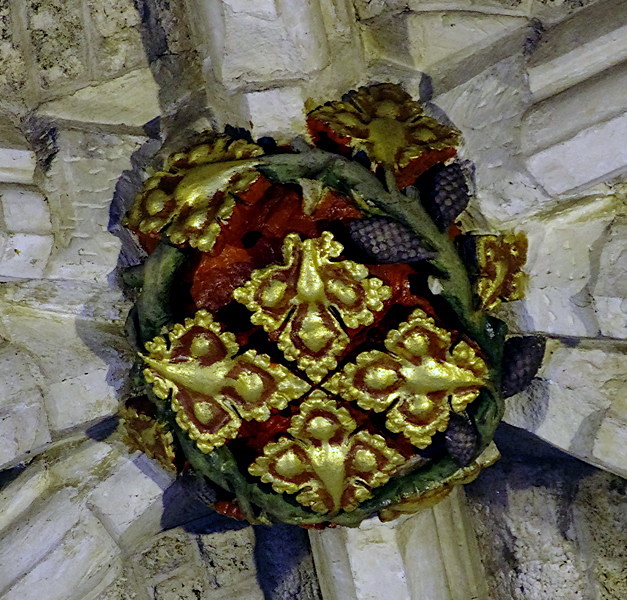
(326,462)
(298,298)
(389,126)
(297,354)
(417,382)
(191,200)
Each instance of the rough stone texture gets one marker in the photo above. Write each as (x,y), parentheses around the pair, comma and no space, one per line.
(578,48)
(289,41)
(12,72)
(56,35)
(116,43)
(24,210)
(17,165)
(131,99)
(563,264)
(79,186)
(129,502)
(84,557)
(23,421)
(80,382)
(548,526)
(451,47)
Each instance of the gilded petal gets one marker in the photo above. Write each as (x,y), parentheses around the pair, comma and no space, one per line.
(325,463)
(415,380)
(211,387)
(196,195)
(500,259)
(302,297)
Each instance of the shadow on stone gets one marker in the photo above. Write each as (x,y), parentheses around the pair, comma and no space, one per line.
(284,564)
(186,504)
(103,429)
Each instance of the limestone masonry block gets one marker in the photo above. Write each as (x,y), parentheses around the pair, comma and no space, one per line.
(562,116)
(449,46)
(577,404)
(75,379)
(367,9)
(589,42)
(24,255)
(80,400)
(487,109)
(610,287)
(23,429)
(288,42)
(24,210)
(278,112)
(115,27)
(57,36)
(432,554)
(12,71)
(38,534)
(129,502)
(562,266)
(17,165)
(132,99)
(81,466)
(538,539)
(592,155)
(228,559)
(18,497)
(83,558)
(80,185)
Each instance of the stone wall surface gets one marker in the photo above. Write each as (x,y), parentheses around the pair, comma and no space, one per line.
(90,91)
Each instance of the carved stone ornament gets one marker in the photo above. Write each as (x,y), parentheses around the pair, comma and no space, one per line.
(292,348)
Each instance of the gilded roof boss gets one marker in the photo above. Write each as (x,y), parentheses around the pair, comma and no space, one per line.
(311,323)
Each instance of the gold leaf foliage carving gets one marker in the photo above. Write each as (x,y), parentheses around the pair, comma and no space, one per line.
(417,382)
(303,297)
(326,463)
(210,386)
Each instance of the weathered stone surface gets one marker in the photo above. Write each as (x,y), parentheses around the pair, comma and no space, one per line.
(577,108)
(592,155)
(591,41)
(84,557)
(81,355)
(289,40)
(129,501)
(228,558)
(80,185)
(17,498)
(451,47)
(57,37)
(367,9)
(576,403)
(563,264)
(278,112)
(488,109)
(24,210)
(548,526)
(24,255)
(131,99)
(609,287)
(17,165)
(285,566)
(432,554)
(116,39)
(40,533)
(12,71)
